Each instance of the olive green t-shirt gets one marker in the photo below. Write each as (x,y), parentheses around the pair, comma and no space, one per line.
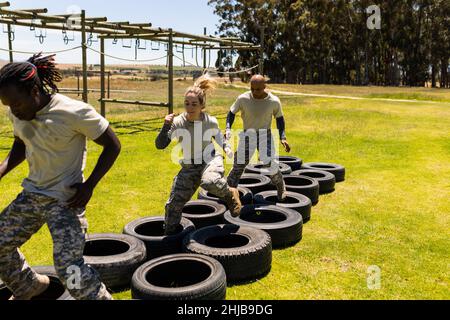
(55,144)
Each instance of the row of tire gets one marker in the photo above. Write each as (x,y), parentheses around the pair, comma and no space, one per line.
(211,249)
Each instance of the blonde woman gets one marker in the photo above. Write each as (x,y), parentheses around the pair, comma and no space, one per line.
(201,165)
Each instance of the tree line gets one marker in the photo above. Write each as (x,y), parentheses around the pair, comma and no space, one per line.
(330,42)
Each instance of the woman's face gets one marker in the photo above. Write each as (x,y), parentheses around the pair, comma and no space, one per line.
(193,106)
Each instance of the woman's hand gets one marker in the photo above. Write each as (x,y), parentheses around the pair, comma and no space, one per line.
(169,118)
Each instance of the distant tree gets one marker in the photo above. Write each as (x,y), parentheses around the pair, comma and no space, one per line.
(323,41)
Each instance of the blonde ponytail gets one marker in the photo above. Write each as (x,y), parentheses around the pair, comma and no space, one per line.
(201,87)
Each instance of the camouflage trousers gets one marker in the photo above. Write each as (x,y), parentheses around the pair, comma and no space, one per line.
(248,144)
(209,176)
(23,218)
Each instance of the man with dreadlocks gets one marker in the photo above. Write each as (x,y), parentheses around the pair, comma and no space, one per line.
(50,133)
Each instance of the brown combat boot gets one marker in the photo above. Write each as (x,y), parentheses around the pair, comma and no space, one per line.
(233,202)
(38,287)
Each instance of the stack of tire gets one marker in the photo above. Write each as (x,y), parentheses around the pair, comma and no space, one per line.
(211,249)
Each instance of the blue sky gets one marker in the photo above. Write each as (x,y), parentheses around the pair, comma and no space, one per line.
(189,16)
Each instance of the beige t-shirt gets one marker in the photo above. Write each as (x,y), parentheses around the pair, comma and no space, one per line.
(195,138)
(257,113)
(56,145)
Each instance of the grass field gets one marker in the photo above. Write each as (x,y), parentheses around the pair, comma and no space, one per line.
(393,210)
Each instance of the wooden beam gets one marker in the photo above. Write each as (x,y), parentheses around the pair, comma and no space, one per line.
(170,56)
(11,56)
(137,102)
(84,56)
(149,24)
(25,14)
(132,35)
(102,78)
(88,19)
(43,10)
(53,26)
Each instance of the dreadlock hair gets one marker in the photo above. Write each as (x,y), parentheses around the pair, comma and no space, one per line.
(201,87)
(37,71)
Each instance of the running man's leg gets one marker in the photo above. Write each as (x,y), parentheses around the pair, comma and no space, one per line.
(269,158)
(246,149)
(68,229)
(18,222)
(185,183)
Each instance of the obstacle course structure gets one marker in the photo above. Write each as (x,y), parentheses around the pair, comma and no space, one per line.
(90,27)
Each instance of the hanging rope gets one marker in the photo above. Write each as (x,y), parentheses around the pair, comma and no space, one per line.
(214,70)
(123,59)
(44,52)
(233,72)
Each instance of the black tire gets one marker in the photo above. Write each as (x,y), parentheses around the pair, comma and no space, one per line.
(336,169)
(295,201)
(245,194)
(285,226)
(204,213)
(180,277)
(304,185)
(150,230)
(55,291)
(245,253)
(115,257)
(326,180)
(255,182)
(293,162)
(259,169)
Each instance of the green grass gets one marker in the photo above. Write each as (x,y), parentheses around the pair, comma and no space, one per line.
(392,211)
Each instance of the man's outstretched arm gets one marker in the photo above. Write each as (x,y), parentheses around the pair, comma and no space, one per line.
(230,120)
(15,157)
(281,126)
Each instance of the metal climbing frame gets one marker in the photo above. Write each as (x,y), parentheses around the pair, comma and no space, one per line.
(87,26)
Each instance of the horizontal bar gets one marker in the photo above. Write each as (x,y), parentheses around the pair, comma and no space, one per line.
(149,24)
(43,10)
(234,48)
(93,19)
(120,22)
(96,25)
(24,14)
(142,103)
(52,26)
(4,4)
(133,35)
(74,90)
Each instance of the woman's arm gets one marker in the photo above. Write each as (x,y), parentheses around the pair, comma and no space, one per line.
(164,137)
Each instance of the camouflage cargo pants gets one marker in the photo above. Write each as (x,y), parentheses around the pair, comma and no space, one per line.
(23,218)
(209,176)
(249,142)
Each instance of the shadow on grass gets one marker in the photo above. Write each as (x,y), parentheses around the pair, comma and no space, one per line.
(136,126)
(148,125)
